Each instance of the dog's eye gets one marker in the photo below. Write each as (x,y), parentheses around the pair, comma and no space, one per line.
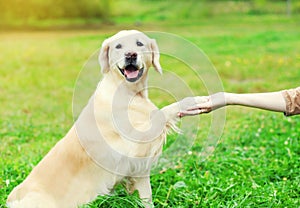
(119,46)
(138,43)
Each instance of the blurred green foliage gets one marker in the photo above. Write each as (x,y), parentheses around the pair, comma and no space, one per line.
(34,13)
(53,9)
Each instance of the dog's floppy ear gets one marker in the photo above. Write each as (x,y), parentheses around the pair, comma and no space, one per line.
(103,57)
(155,56)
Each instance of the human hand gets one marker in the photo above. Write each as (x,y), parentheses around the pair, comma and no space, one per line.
(201,104)
(195,105)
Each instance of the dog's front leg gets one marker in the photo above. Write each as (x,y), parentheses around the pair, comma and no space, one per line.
(142,185)
(171,111)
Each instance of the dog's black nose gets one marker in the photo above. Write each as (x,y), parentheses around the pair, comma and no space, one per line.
(130,57)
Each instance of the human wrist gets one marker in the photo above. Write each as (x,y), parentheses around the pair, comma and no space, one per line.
(228,98)
(218,100)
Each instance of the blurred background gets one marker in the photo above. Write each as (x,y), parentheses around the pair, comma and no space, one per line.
(41,14)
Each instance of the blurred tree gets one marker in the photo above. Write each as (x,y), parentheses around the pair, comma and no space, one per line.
(288,7)
(53,9)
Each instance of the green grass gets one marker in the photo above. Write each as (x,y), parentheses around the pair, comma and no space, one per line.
(257,160)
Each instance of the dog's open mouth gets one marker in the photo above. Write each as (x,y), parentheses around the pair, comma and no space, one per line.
(131,72)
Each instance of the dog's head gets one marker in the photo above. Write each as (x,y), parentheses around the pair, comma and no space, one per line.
(129,53)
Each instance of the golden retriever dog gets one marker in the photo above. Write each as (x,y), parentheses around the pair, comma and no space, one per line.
(118,135)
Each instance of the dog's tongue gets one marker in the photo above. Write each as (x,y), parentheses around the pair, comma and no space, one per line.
(131,74)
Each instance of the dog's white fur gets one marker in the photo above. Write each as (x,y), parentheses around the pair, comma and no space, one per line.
(79,168)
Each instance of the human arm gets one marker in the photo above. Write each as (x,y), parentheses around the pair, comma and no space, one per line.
(273,101)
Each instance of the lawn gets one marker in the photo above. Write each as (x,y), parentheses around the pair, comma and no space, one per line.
(256,162)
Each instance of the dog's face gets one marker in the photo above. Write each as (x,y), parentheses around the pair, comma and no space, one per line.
(130,54)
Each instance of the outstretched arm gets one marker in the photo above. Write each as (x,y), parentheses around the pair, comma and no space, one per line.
(273,101)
